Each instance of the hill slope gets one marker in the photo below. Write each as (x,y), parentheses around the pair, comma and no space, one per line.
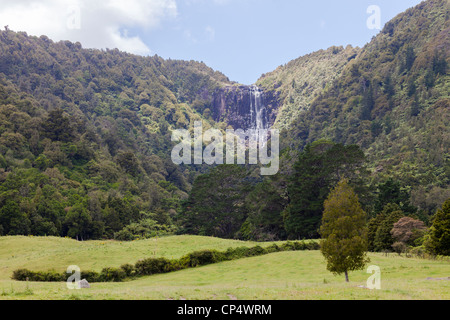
(85,136)
(55,253)
(393,100)
(300,81)
(285,275)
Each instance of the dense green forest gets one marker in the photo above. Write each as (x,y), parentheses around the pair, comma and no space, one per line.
(392,100)
(376,115)
(85,140)
(85,137)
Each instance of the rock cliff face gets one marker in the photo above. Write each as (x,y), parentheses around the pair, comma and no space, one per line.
(245,107)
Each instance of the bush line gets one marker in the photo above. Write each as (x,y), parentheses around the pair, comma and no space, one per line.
(152,266)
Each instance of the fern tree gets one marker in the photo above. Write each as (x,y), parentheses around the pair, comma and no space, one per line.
(344,231)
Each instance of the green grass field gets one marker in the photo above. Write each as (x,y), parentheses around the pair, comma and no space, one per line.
(286,275)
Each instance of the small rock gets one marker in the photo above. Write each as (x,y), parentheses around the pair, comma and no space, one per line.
(362,287)
(438,279)
(84,284)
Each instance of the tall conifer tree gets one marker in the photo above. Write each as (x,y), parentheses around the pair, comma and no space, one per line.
(344,231)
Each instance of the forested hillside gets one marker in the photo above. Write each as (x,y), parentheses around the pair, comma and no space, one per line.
(300,81)
(393,100)
(85,137)
(377,116)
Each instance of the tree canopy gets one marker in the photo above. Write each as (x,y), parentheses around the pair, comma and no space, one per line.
(318,169)
(344,231)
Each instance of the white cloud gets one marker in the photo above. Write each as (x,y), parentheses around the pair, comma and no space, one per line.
(95,23)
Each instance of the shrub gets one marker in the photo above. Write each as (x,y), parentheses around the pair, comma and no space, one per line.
(256,251)
(53,276)
(175,265)
(128,269)
(312,246)
(90,276)
(300,246)
(399,247)
(46,276)
(244,252)
(202,258)
(112,275)
(273,248)
(21,275)
(236,253)
(288,246)
(145,229)
(418,252)
(124,235)
(151,266)
(37,276)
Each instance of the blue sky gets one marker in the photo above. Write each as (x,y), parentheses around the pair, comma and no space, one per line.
(241,38)
(244,39)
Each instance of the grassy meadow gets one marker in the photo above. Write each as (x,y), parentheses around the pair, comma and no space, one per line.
(285,275)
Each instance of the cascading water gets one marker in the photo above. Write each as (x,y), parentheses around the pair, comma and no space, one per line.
(258,112)
(242,107)
(258,115)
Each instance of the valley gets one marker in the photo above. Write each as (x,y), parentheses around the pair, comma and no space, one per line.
(108,157)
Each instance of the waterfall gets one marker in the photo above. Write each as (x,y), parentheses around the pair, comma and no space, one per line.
(242,107)
(258,112)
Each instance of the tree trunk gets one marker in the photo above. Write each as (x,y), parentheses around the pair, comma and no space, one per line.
(346,276)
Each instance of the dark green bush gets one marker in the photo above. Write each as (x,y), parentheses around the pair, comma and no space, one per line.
(245,252)
(236,253)
(151,266)
(176,265)
(202,258)
(112,275)
(256,251)
(21,275)
(312,246)
(124,235)
(299,246)
(52,276)
(273,248)
(47,276)
(129,270)
(89,276)
(144,229)
(288,246)
(37,276)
